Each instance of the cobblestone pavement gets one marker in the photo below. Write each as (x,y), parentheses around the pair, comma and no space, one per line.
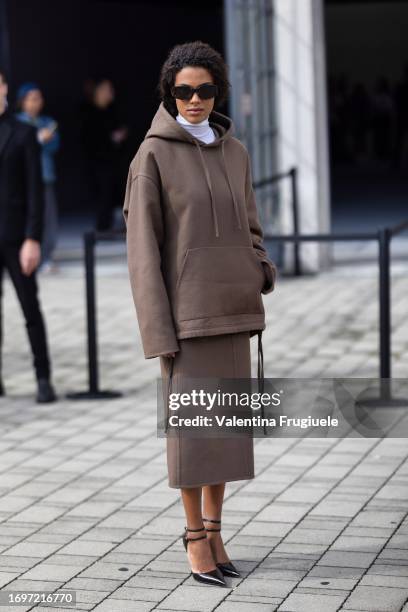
(84,499)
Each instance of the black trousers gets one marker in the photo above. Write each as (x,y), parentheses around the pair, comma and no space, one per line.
(27,290)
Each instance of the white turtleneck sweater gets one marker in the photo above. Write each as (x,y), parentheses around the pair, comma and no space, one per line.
(202,130)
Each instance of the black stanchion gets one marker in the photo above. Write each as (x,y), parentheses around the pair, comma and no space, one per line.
(385,299)
(385,397)
(93,392)
(292,174)
(295,215)
(383,238)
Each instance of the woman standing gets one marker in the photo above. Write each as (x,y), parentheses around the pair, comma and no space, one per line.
(197,269)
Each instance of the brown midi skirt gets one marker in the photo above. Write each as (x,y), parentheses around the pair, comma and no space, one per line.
(192,461)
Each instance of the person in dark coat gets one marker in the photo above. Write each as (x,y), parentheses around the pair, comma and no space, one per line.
(21,228)
(103,135)
(30,100)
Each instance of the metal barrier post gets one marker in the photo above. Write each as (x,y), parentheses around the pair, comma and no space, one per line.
(93,373)
(385,313)
(384,264)
(293,173)
(383,237)
(89,244)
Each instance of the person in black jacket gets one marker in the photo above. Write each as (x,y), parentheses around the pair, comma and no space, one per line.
(103,137)
(21,227)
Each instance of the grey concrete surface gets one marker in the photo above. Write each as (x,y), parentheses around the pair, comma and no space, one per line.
(84,500)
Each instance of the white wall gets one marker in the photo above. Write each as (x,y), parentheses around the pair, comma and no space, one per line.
(301,120)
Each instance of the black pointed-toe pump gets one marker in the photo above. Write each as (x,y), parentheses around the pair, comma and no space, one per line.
(214,576)
(228,568)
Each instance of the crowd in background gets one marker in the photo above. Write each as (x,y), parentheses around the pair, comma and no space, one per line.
(29,142)
(368,125)
(102,137)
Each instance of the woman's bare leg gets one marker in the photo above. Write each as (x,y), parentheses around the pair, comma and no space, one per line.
(199,553)
(213,497)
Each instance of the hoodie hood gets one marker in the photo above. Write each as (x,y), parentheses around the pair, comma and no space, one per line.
(165,126)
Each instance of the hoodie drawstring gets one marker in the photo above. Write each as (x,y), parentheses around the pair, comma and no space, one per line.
(208,179)
(207,176)
(230,187)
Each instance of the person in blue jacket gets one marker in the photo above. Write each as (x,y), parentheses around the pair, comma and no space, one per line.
(30,102)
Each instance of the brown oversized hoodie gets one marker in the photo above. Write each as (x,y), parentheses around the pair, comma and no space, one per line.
(196,261)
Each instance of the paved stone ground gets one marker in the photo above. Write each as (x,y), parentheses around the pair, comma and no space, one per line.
(84,500)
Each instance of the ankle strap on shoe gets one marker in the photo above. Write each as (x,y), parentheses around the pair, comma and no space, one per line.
(199,538)
(199,529)
(212,521)
(202,537)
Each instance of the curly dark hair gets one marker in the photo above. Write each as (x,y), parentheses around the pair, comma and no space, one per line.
(196,53)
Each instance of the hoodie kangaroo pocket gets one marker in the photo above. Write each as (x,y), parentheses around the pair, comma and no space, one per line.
(219,281)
